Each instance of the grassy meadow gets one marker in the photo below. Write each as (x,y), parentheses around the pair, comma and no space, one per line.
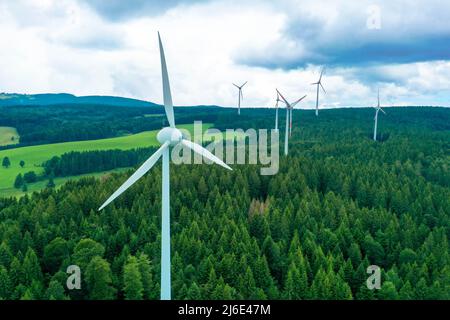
(34,156)
(6,133)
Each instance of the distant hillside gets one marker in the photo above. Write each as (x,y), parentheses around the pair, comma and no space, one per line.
(7,99)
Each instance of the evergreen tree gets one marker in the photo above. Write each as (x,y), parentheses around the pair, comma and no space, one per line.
(406,292)
(55,291)
(132,279)
(146,276)
(5,284)
(18,182)
(85,251)
(6,162)
(55,253)
(5,255)
(99,280)
(194,292)
(388,291)
(31,268)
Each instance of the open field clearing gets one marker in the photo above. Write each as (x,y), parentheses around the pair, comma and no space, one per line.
(59,181)
(8,135)
(34,156)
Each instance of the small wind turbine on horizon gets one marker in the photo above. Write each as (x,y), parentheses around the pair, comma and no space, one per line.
(289,107)
(276,111)
(378,109)
(319,83)
(241,96)
(167,137)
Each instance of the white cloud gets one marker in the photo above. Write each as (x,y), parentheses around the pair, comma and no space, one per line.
(66,46)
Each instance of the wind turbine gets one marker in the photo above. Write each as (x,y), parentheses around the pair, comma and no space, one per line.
(378,109)
(319,83)
(276,112)
(167,137)
(241,96)
(289,107)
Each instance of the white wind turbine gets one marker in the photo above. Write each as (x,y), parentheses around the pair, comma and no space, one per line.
(289,107)
(167,137)
(241,96)
(378,109)
(276,112)
(319,83)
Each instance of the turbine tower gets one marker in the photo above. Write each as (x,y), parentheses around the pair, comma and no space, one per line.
(378,109)
(276,112)
(319,83)
(241,96)
(167,137)
(289,107)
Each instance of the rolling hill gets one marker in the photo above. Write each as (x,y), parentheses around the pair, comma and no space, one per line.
(34,156)
(65,98)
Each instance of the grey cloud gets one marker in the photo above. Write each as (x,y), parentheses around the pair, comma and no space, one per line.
(409,33)
(127,9)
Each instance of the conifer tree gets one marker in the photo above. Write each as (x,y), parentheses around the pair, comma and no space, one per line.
(99,280)
(132,280)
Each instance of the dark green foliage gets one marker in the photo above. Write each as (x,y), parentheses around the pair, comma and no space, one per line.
(18,183)
(339,203)
(6,162)
(40,124)
(30,177)
(55,291)
(99,280)
(85,251)
(50,183)
(75,163)
(132,279)
(55,253)
(22,163)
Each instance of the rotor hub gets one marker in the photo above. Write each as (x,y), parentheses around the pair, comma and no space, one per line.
(171,135)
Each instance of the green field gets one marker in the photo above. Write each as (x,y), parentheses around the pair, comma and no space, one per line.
(59,181)
(6,133)
(34,156)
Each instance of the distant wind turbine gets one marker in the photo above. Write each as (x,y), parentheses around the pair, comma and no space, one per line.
(319,83)
(276,111)
(378,109)
(167,137)
(241,96)
(289,107)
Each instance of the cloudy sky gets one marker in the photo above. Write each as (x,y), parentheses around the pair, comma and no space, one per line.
(109,47)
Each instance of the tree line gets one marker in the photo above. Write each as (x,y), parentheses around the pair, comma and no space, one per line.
(73,122)
(76,163)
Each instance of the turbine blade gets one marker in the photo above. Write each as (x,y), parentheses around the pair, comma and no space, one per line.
(204,153)
(296,102)
(168,105)
(146,166)
(322,87)
(378,97)
(244,84)
(321,74)
(382,111)
(236,86)
(240,92)
(285,101)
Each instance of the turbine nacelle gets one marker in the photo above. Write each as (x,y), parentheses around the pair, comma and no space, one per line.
(171,135)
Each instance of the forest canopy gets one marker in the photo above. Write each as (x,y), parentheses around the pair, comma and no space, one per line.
(340,203)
